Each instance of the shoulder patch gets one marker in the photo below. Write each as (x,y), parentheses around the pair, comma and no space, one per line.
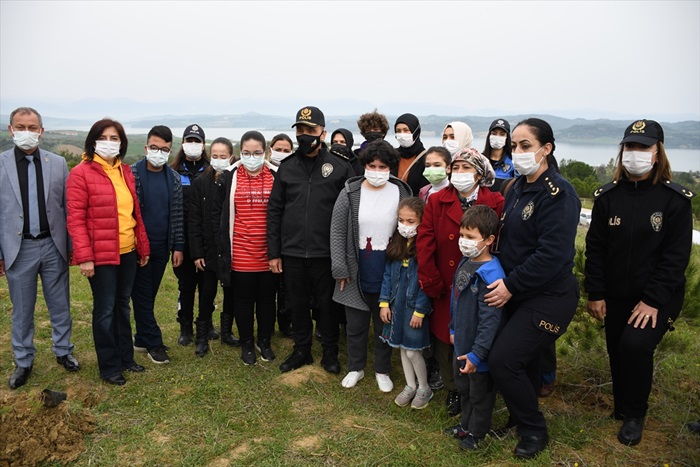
(552,186)
(603,189)
(341,156)
(680,189)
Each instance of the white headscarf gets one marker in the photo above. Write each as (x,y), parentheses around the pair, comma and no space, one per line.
(463,134)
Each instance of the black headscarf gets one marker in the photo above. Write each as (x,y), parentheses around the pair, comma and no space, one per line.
(413,124)
(347,134)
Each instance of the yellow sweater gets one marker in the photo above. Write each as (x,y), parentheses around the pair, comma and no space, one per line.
(125,204)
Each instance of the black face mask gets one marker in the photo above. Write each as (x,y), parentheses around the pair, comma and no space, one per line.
(373,136)
(342,150)
(308,143)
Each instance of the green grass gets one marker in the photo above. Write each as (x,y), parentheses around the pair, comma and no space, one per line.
(216,411)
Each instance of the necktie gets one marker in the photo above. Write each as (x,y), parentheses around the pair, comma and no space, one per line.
(34,228)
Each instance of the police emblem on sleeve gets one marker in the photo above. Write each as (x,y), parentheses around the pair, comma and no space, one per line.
(326,169)
(506,167)
(657,221)
(528,210)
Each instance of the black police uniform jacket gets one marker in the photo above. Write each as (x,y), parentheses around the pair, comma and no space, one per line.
(538,233)
(301,204)
(638,244)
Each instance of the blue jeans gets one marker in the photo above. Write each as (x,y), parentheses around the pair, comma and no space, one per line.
(111,327)
(146,286)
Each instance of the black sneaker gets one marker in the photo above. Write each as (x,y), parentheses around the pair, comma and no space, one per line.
(248,354)
(453,404)
(457,432)
(296,359)
(159,355)
(266,353)
(435,379)
(330,362)
(470,443)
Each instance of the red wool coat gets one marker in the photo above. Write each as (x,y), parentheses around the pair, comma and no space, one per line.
(438,253)
(93,223)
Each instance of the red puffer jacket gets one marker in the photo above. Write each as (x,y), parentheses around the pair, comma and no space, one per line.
(93,223)
(437,250)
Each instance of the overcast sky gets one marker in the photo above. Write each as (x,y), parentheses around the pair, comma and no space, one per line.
(589,59)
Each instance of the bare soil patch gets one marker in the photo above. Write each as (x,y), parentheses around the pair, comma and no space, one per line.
(33,434)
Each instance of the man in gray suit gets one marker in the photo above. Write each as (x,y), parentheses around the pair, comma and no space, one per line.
(34,241)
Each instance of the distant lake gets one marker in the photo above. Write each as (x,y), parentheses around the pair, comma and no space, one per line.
(682,160)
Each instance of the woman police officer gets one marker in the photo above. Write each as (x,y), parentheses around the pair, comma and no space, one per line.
(637,248)
(540,292)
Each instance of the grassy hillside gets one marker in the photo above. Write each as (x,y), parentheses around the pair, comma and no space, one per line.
(216,411)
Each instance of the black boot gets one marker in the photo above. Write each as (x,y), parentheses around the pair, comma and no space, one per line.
(226,336)
(201,342)
(213,334)
(185,333)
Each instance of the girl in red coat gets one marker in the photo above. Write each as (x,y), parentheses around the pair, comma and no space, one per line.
(109,243)
(438,251)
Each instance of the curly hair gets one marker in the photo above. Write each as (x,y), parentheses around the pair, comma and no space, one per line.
(373,120)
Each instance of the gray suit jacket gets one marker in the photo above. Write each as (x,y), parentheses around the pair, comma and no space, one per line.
(54,172)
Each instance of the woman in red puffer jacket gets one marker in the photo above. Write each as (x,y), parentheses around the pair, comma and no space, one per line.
(109,243)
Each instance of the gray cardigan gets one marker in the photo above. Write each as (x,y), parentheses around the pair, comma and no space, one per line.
(345,238)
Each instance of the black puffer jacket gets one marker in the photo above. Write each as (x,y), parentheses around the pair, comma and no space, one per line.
(301,204)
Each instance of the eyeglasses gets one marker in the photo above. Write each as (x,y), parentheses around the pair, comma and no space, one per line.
(164,151)
(250,154)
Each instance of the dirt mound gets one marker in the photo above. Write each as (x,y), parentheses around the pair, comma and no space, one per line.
(32,433)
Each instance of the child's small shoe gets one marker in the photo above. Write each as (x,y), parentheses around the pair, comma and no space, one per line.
(457,432)
(405,397)
(470,442)
(422,398)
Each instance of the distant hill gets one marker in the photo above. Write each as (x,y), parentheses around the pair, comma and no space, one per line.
(684,135)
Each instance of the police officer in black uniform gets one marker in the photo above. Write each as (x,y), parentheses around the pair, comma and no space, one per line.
(298,236)
(540,292)
(637,248)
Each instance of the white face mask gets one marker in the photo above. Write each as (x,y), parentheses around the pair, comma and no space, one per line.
(193,151)
(277,156)
(252,163)
(405,139)
(525,162)
(463,181)
(25,140)
(107,150)
(156,158)
(451,145)
(377,178)
(407,231)
(219,165)
(637,163)
(469,248)
(497,142)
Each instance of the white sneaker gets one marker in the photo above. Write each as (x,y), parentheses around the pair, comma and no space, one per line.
(384,382)
(352,378)
(140,349)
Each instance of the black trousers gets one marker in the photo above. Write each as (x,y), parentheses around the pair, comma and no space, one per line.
(631,353)
(515,356)
(358,335)
(477,398)
(306,278)
(188,280)
(284,314)
(254,295)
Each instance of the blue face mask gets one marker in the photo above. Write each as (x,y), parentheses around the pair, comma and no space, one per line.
(252,163)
